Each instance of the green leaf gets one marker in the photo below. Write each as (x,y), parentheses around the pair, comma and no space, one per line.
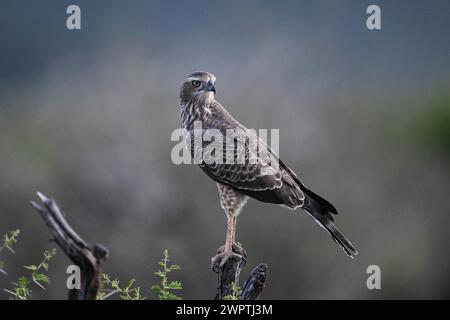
(172,296)
(115,284)
(23,282)
(156,288)
(40,277)
(31,267)
(130,283)
(175,285)
(174,267)
(159,273)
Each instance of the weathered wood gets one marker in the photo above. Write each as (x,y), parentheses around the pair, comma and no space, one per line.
(255,284)
(230,272)
(89,260)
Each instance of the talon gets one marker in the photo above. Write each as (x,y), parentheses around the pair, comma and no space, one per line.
(224,258)
(237,246)
(218,261)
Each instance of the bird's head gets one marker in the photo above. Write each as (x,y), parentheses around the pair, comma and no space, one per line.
(198,86)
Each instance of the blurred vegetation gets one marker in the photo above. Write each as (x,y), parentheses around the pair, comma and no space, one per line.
(432,125)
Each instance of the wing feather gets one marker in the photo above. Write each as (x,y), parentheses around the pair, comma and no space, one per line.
(248,163)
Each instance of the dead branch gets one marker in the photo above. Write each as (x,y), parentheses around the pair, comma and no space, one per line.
(230,272)
(88,260)
(255,284)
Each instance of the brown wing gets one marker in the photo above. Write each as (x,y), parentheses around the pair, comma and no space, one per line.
(251,167)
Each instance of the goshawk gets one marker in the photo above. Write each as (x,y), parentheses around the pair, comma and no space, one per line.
(237,181)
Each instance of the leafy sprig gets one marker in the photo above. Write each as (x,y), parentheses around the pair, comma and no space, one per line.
(9,239)
(112,286)
(38,276)
(235,294)
(165,288)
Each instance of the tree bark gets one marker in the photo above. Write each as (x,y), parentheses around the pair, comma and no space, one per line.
(255,284)
(230,272)
(88,259)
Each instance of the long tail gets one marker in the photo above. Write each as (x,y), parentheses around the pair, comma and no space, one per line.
(322,211)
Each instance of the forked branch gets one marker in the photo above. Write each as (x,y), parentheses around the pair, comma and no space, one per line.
(89,260)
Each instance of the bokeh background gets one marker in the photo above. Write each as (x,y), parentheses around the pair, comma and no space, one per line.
(364,117)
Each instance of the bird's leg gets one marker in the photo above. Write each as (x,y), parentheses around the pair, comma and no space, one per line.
(226,252)
(233,235)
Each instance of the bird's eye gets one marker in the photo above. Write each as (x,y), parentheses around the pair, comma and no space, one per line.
(196,83)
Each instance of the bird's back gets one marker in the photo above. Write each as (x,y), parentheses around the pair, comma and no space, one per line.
(246,164)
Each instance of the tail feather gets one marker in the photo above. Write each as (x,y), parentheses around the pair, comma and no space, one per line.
(323,202)
(340,239)
(322,212)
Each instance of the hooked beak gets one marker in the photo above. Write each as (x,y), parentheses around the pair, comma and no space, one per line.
(210,87)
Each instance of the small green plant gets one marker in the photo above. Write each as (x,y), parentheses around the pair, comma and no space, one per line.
(110,287)
(165,288)
(9,239)
(235,294)
(38,275)
(21,290)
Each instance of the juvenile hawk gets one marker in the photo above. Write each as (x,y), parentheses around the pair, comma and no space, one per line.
(237,181)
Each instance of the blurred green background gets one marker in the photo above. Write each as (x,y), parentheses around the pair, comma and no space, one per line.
(364,119)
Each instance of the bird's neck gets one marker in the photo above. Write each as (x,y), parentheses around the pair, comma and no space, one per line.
(196,110)
(199,99)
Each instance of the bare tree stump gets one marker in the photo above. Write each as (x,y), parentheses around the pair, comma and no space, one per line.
(230,272)
(88,260)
